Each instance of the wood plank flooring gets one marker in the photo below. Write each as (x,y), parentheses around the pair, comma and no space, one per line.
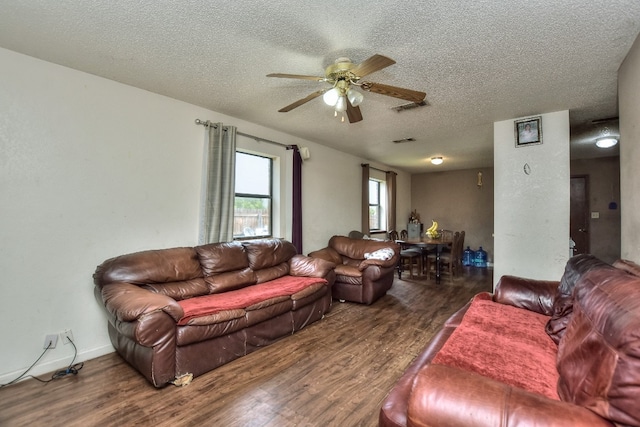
(335,372)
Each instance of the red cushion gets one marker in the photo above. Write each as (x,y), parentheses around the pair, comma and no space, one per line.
(241,298)
(505,343)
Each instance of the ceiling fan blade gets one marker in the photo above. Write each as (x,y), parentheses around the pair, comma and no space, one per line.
(297,76)
(302,101)
(375,63)
(353,113)
(396,92)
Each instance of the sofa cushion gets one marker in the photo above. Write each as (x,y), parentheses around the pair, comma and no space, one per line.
(505,343)
(245,297)
(217,258)
(599,355)
(154,266)
(356,248)
(267,253)
(230,280)
(381,254)
(348,271)
(272,273)
(180,290)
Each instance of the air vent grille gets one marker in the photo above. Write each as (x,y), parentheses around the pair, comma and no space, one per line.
(400,141)
(410,106)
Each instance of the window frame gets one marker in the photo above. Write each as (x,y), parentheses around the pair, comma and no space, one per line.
(269,197)
(378,206)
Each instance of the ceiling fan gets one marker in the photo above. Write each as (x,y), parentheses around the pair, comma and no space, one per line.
(343,75)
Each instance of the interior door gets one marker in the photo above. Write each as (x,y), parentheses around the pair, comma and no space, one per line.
(579,212)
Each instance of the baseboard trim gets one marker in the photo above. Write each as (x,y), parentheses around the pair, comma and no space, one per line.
(51,366)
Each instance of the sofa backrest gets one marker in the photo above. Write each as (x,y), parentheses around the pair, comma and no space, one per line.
(268,253)
(269,258)
(353,250)
(599,354)
(575,269)
(206,269)
(628,266)
(154,266)
(225,266)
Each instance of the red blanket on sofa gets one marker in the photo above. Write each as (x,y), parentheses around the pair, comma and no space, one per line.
(245,297)
(504,343)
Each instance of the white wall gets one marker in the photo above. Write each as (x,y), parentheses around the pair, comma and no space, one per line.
(90,169)
(531,211)
(629,107)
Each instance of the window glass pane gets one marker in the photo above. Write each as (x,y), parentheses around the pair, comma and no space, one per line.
(374,192)
(374,217)
(374,205)
(253,174)
(252,217)
(252,206)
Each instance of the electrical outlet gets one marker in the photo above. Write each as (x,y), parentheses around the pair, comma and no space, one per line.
(67,336)
(50,341)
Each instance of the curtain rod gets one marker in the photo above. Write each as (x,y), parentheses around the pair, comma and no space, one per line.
(256,138)
(375,169)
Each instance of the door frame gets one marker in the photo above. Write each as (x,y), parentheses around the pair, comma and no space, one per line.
(587,217)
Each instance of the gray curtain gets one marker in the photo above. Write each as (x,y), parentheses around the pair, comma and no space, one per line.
(220,184)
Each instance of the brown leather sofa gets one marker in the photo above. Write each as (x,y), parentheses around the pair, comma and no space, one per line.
(174,314)
(358,278)
(541,353)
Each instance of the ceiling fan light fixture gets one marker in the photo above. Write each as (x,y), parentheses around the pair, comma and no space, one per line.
(355,97)
(437,160)
(341,104)
(331,96)
(606,142)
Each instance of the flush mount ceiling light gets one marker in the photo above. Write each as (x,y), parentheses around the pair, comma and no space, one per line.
(437,160)
(606,142)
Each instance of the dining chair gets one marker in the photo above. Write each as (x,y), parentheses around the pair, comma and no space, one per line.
(408,256)
(446,234)
(448,259)
(459,252)
(355,234)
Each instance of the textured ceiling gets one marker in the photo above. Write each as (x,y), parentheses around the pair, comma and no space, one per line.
(478,61)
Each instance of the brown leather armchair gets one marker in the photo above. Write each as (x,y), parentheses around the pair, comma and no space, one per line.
(359,279)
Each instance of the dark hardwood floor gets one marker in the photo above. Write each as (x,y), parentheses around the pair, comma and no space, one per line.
(335,372)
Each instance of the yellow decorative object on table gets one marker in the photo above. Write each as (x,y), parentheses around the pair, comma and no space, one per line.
(432,232)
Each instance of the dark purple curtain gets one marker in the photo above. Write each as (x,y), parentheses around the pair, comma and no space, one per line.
(296,226)
(365,198)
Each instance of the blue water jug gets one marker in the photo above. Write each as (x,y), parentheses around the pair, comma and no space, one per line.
(481,258)
(468,257)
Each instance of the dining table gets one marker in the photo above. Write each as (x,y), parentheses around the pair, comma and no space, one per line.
(425,243)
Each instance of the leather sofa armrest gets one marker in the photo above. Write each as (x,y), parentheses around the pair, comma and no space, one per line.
(327,254)
(534,295)
(127,302)
(379,262)
(443,395)
(306,266)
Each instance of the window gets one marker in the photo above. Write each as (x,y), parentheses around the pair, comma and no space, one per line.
(375,207)
(253,198)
